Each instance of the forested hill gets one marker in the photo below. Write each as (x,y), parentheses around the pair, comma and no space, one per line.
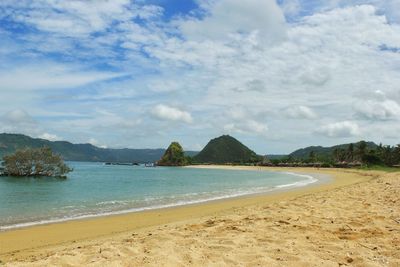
(226,149)
(325,152)
(80,152)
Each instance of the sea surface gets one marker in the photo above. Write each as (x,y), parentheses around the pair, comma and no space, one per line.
(95,189)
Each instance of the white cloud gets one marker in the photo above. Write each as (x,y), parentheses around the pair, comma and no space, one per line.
(252,85)
(18,116)
(315,76)
(226,18)
(76,17)
(164,112)
(247,127)
(391,9)
(387,7)
(50,137)
(235,54)
(300,112)
(378,110)
(243,121)
(291,7)
(377,105)
(49,76)
(19,121)
(340,129)
(95,142)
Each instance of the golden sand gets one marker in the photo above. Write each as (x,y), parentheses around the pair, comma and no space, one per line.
(353,220)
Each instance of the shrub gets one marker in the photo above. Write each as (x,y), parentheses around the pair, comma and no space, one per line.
(35,162)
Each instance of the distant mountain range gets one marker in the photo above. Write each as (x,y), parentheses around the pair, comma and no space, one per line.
(81,152)
(325,152)
(226,149)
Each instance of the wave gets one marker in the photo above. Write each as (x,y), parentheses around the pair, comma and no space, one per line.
(181,200)
(309,180)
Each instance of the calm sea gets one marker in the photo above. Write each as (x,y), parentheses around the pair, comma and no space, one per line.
(94,189)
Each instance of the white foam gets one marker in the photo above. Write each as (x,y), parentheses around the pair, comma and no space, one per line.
(309,180)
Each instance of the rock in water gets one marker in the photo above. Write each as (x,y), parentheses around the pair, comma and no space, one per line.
(173,156)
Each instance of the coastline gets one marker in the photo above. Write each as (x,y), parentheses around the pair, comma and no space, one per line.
(309,180)
(21,243)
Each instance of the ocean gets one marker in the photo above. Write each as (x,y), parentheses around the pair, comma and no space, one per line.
(95,189)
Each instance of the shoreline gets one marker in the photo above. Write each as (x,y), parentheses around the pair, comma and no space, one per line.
(311,180)
(14,243)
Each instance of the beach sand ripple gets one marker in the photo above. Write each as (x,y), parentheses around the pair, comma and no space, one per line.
(356,225)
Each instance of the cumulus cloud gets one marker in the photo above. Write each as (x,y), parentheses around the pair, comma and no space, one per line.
(387,7)
(18,116)
(19,121)
(250,126)
(340,129)
(227,54)
(164,112)
(391,8)
(50,137)
(95,142)
(291,7)
(300,112)
(377,106)
(243,121)
(315,76)
(226,18)
(377,110)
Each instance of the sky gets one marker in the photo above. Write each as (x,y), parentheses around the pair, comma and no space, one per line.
(277,75)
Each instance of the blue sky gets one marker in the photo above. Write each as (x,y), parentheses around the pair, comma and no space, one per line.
(140,74)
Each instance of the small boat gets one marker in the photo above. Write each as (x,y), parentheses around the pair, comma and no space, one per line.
(120,163)
(150,165)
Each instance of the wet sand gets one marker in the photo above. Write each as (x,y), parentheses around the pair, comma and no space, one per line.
(352,220)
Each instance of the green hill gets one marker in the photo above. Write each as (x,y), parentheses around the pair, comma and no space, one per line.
(325,152)
(80,152)
(173,156)
(226,149)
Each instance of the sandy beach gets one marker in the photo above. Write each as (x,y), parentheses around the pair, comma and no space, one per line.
(353,220)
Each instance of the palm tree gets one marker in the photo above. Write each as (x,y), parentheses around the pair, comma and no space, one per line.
(312,157)
(396,154)
(387,155)
(350,152)
(361,149)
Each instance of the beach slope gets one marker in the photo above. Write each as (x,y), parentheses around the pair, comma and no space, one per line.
(355,220)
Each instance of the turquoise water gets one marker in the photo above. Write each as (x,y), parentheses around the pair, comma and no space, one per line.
(94,189)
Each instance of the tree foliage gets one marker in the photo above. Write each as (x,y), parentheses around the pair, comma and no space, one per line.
(35,162)
(312,157)
(346,155)
(226,149)
(174,156)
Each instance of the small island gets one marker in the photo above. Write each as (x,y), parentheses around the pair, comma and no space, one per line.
(174,156)
(34,162)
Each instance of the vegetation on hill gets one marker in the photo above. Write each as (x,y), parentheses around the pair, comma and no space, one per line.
(9,143)
(346,155)
(226,149)
(326,152)
(35,162)
(222,150)
(174,156)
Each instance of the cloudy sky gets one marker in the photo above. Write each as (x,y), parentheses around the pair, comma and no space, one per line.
(140,74)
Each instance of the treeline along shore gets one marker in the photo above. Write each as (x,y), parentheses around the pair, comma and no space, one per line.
(224,150)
